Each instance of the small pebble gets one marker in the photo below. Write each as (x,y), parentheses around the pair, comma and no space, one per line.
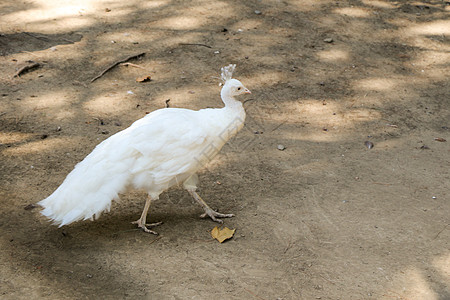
(328,40)
(257,12)
(216,52)
(281,147)
(130,93)
(368,144)
(434,197)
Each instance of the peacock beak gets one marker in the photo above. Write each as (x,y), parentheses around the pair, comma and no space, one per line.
(247,91)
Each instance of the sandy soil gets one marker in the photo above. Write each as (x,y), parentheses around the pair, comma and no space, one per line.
(327,218)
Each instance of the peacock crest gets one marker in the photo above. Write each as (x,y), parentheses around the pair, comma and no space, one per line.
(227,72)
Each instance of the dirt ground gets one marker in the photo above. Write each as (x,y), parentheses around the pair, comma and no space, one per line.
(326,218)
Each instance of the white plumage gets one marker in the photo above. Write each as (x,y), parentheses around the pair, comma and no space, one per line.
(166,147)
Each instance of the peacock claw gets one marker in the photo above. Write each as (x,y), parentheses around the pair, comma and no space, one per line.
(208,210)
(144,226)
(213,214)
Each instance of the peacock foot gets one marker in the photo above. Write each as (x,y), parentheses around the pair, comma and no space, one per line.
(144,226)
(214,215)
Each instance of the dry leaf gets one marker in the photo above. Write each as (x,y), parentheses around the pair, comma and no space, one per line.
(222,234)
(144,78)
(439,139)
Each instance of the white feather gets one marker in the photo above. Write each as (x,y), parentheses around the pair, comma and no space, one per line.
(164,148)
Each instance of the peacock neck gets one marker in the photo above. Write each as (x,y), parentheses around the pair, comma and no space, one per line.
(234,112)
(229,100)
(234,117)
(233,106)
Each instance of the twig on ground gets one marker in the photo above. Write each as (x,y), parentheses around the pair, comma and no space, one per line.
(2,113)
(381,183)
(23,51)
(115,64)
(278,126)
(195,44)
(67,40)
(26,68)
(134,65)
(289,246)
(44,38)
(157,238)
(167,103)
(445,227)
(75,82)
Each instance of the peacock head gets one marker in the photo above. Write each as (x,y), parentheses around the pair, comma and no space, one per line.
(232,87)
(235,88)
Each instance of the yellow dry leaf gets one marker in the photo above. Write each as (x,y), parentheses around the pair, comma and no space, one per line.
(222,234)
(144,78)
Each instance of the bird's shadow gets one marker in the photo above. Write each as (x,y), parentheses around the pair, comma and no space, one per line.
(119,226)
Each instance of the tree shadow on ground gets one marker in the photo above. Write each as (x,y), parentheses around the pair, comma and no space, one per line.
(323,215)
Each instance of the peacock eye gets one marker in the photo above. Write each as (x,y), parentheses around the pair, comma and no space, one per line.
(239,88)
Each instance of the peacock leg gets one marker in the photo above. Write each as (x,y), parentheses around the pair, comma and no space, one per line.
(208,210)
(142,220)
